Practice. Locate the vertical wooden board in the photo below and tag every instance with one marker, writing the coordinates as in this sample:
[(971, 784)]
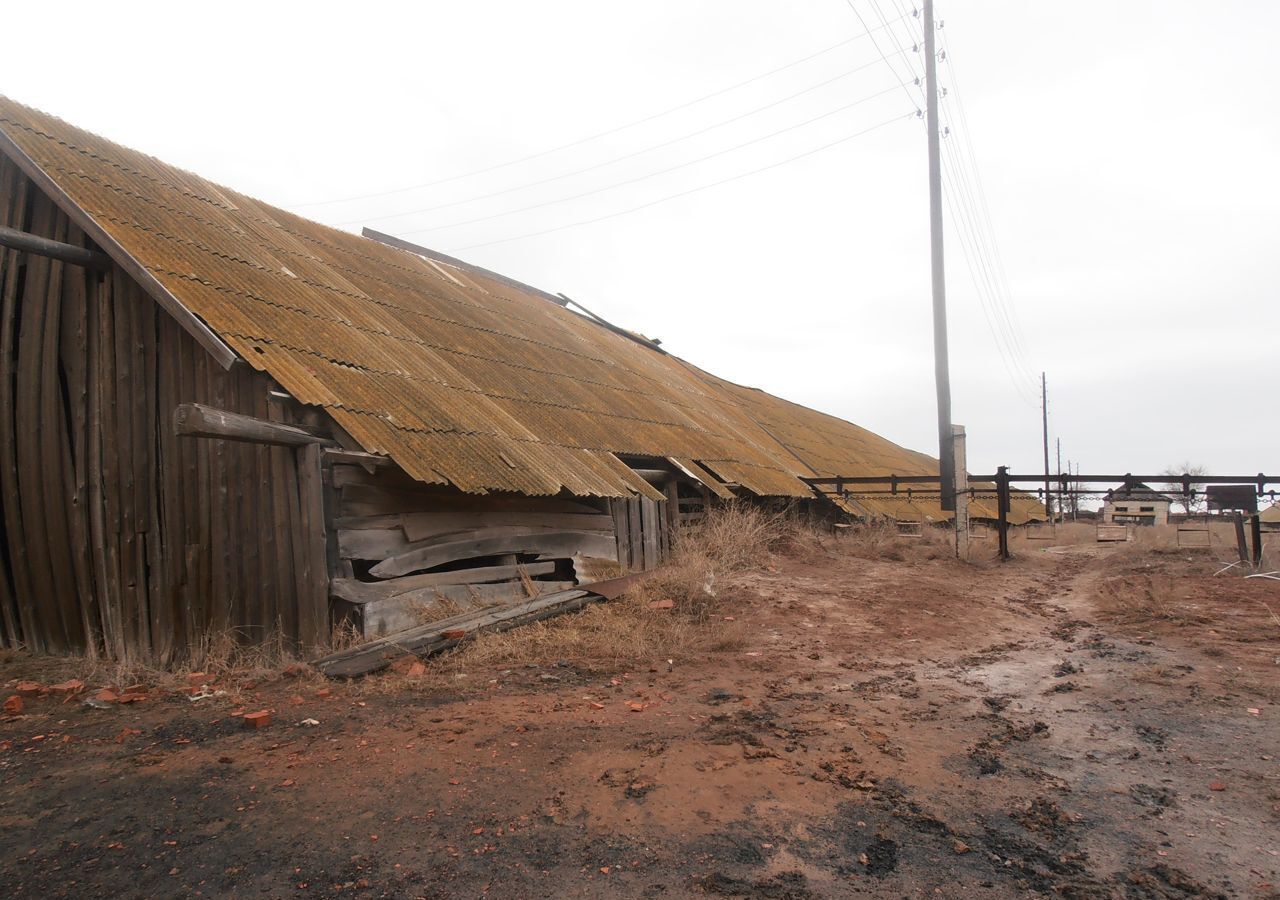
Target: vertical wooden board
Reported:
[(53, 428), (31, 458), (313, 598), (195, 579), (621, 532), (635, 533), (649, 528), (171, 534), (268, 554), (103, 486), (222, 587), (160, 598), (257, 600), (13, 521), (74, 355), (133, 590), (284, 521)]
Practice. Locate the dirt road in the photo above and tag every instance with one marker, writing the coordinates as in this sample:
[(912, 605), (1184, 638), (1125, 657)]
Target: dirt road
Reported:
[(889, 729)]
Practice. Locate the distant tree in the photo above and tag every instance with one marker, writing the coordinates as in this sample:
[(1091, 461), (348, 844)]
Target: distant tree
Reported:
[(1175, 488)]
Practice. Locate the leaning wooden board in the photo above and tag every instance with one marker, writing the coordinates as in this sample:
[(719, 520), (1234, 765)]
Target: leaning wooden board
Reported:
[(552, 544), (424, 605), (448, 633)]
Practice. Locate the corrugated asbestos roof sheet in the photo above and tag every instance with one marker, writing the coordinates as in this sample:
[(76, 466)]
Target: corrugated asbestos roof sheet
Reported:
[(458, 377)]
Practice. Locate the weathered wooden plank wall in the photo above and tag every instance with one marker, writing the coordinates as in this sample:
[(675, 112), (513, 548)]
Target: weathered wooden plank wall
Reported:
[(116, 536)]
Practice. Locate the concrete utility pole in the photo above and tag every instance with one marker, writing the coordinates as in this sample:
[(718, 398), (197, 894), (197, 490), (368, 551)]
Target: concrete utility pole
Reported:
[(1061, 508), (941, 362), (1044, 413)]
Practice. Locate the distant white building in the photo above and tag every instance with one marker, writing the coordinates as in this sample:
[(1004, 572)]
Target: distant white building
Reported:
[(1140, 504)]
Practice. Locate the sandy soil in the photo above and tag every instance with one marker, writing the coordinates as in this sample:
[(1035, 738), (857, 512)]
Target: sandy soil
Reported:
[(891, 729)]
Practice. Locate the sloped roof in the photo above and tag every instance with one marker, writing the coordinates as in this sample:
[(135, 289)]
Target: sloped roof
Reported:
[(1139, 491), (459, 377)]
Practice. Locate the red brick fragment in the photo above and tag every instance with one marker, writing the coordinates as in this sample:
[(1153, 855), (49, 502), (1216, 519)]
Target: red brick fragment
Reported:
[(454, 634), (260, 719), (29, 688), (13, 705)]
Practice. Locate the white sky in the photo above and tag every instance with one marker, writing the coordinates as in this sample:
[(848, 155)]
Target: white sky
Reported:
[(1128, 151)]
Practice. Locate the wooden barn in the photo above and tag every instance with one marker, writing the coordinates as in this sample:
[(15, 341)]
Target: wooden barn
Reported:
[(219, 416)]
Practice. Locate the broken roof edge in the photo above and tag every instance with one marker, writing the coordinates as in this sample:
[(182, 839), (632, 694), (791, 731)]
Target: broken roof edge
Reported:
[(199, 330)]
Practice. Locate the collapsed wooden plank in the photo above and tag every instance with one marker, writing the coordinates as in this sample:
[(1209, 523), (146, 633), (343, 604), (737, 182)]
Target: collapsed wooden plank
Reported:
[(364, 592), (418, 607), (369, 543), (447, 633), (556, 543)]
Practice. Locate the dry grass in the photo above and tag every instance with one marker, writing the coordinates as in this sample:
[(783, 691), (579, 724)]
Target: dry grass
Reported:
[(1146, 599), (682, 610), (229, 663), (881, 540)]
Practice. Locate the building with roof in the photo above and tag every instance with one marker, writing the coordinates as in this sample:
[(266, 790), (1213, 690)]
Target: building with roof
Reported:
[(1136, 504), (218, 415)]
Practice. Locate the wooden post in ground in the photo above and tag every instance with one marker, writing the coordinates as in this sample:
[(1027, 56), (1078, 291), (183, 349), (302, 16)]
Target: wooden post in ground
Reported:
[(962, 492), (1255, 529), (1241, 546), (1002, 508)]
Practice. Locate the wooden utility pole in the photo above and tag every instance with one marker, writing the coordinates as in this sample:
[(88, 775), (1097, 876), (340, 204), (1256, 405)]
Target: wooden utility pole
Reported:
[(1044, 415), (941, 363)]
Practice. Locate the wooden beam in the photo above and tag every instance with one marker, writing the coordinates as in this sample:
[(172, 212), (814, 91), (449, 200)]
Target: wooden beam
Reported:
[(355, 591), (427, 639), (192, 323), (198, 420), (550, 545), (42, 246)]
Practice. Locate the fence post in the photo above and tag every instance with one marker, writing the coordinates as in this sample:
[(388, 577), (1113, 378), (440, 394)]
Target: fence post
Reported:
[(1002, 509), (1255, 527), (1241, 547), (962, 492)]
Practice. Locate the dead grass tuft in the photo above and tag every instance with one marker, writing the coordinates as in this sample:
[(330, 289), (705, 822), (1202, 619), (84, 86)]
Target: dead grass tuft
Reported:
[(1147, 599)]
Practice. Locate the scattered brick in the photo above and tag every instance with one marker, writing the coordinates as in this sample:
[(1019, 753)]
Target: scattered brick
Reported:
[(260, 719), (13, 705)]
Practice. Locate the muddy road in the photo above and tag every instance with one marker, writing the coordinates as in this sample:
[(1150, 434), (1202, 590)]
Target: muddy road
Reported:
[(895, 729)]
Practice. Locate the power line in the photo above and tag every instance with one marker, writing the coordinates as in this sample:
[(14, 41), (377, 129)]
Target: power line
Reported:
[(694, 190), (963, 215), (868, 31), (980, 191), (592, 137), (618, 159), (649, 175)]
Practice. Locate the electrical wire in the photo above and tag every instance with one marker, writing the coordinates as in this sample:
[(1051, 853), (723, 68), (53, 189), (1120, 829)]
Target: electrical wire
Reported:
[(618, 159), (694, 190), (965, 218), (645, 177), (966, 132), (868, 31), (591, 137)]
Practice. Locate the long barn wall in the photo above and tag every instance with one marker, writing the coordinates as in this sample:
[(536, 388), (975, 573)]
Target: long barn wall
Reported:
[(116, 536)]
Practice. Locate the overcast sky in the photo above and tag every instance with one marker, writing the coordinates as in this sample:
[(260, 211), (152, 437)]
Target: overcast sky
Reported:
[(1128, 150)]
